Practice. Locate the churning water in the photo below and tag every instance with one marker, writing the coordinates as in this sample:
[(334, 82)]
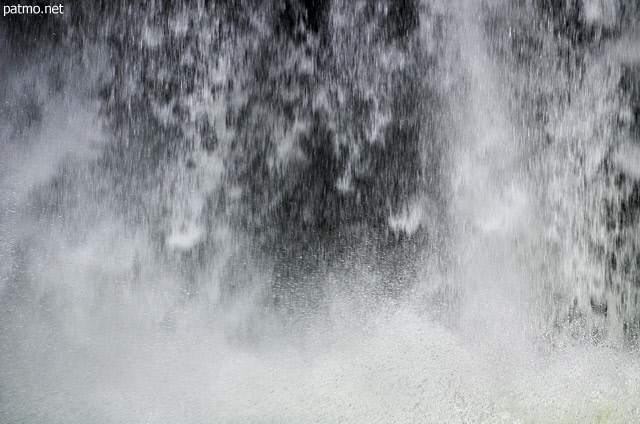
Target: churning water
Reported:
[(320, 211)]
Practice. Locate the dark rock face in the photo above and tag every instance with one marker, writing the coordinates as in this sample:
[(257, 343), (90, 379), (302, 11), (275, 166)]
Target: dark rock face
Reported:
[(323, 136)]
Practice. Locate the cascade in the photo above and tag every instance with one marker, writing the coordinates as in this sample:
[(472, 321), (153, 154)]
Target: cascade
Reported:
[(320, 211)]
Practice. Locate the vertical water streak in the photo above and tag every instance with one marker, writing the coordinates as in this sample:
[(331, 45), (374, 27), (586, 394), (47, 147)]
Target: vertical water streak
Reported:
[(490, 201)]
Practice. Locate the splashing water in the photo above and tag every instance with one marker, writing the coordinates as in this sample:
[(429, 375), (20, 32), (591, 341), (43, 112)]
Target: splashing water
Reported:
[(402, 212)]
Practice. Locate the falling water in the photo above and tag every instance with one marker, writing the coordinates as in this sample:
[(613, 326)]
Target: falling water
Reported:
[(320, 211)]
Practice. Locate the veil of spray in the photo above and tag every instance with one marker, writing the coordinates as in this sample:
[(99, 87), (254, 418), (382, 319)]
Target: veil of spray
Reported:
[(320, 211)]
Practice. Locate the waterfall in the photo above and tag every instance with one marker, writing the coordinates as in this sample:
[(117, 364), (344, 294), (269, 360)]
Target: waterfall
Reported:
[(294, 211)]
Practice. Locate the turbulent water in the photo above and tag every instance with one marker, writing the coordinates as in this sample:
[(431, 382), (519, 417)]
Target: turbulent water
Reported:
[(320, 211)]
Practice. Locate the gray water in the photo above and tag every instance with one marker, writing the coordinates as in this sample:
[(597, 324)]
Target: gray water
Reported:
[(321, 212)]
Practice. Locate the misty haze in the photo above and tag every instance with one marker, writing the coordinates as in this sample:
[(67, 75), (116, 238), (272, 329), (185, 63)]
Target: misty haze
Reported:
[(292, 211)]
